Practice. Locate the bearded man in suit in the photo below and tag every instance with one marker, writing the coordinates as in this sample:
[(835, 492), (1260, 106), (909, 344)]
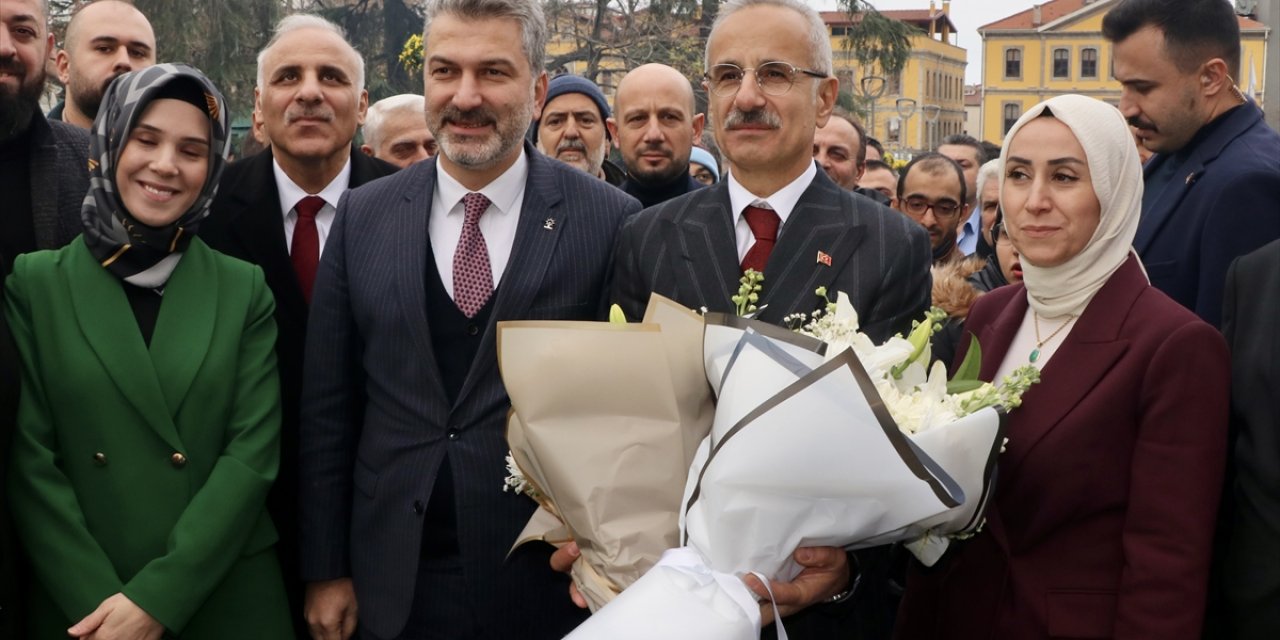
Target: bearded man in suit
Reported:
[(275, 209), (406, 532), (770, 85)]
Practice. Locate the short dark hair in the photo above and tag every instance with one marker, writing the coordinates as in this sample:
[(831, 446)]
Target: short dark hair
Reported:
[(961, 139), (874, 144), (861, 152), (933, 162), (881, 165), (1194, 30)]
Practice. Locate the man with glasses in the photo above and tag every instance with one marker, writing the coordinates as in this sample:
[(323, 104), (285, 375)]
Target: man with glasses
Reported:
[(932, 191), (769, 85)]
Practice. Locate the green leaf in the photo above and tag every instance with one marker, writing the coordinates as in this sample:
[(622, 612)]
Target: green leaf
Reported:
[(963, 386), (972, 364)]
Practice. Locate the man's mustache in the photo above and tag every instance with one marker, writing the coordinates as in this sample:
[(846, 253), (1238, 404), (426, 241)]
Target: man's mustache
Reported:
[(737, 118), (309, 114), (571, 144)]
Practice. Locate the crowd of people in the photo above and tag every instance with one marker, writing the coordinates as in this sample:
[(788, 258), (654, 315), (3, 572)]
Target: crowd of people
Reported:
[(260, 399)]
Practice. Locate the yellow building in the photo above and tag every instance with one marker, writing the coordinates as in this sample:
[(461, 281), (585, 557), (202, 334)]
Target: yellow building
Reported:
[(1057, 47), (925, 102)]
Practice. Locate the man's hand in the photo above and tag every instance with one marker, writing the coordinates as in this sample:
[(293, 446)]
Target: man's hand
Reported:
[(825, 574), (331, 609), (562, 560), (117, 618)]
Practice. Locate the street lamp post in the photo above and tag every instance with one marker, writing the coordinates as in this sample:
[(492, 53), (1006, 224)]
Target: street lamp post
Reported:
[(906, 108), (872, 87), (931, 113)]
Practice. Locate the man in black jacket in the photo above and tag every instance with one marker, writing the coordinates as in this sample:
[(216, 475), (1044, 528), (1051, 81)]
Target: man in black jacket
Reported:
[(654, 126), (275, 209)]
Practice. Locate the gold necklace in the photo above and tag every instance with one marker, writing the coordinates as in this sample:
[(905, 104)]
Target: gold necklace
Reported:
[(1035, 317)]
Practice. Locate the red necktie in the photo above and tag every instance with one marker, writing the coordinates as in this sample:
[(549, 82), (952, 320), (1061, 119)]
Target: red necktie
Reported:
[(472, 275), (305, 253), (764, 226)]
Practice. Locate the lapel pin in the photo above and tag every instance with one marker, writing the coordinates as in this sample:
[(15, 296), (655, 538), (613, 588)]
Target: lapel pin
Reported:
[(1191, 177), (824, 258), (549, 224)]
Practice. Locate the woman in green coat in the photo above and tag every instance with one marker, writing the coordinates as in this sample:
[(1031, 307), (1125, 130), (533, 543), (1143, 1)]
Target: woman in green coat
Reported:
[(148, 426)]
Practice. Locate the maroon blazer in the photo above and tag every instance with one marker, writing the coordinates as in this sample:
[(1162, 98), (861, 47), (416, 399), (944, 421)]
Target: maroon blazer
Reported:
[(1102, 521)]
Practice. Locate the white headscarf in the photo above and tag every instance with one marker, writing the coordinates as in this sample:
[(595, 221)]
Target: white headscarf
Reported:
[(1116, 173)]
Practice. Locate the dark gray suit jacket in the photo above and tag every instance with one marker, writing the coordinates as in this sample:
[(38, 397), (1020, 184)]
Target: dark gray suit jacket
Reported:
[(1250, 568), (375, 421), (685, 249), (59, 181)]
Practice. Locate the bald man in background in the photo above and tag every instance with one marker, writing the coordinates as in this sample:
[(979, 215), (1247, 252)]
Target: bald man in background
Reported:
[(654, 125), (105, 39)]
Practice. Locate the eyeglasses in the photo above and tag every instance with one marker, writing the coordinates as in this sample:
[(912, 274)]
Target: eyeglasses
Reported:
[(773, 78), (999, 233), (942, 209)]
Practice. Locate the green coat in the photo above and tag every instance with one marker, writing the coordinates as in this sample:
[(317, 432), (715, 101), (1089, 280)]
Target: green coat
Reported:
[(145, 470)]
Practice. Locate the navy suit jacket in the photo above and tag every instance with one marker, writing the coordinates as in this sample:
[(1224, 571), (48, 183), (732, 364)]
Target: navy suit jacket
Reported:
[(1222, 205), (375, 420), (686, 249)]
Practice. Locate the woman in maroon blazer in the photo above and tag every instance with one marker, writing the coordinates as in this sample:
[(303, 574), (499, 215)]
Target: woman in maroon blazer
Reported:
[(1103, 517)]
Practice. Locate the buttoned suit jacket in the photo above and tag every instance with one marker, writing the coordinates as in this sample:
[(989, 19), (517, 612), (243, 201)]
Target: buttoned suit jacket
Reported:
[(1220, 207), (1250, 570), (686, 250), (141, 468), (246, 222), (1102, 521), (375, 420)]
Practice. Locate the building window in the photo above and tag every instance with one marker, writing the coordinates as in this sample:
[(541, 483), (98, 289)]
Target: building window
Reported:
[(1089, 63), (1061, 64), (1012, 111), (838, 31), (1013, 63)]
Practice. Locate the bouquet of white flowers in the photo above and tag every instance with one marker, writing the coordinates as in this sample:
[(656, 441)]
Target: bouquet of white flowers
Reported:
[(820, 438)]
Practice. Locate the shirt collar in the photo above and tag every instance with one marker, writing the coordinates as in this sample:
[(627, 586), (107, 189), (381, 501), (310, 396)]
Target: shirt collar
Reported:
[(783, 201), (291, 193), (502, 192)]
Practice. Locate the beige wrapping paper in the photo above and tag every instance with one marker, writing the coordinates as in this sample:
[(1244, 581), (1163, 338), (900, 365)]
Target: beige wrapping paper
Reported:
[(605, 422)]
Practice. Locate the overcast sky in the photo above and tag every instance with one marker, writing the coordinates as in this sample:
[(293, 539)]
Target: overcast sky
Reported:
[(967, 15)]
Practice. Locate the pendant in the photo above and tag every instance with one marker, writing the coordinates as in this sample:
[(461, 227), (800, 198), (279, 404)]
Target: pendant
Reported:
[(1035, 355)]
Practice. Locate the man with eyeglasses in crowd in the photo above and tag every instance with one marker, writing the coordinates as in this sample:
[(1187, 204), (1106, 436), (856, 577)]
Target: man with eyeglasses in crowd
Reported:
[(769, 86), (932, 191)]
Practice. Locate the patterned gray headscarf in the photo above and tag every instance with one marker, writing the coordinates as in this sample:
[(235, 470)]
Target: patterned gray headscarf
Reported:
[(136, 253)]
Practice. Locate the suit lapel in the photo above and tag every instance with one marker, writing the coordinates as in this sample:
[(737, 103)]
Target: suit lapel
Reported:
[(184, 328), (409, 219), (109, 326), (259, 225), (1089, 351), (531, 253), (819, 230), (707, 263)]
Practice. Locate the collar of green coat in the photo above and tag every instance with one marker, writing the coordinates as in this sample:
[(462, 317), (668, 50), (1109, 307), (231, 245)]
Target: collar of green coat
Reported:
[(156, 379)]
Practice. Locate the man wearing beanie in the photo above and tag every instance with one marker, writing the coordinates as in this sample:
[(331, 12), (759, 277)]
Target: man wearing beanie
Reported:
[(572, 128)]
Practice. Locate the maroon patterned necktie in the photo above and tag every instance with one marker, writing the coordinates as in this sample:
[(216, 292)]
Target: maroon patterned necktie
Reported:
[(472, 275), (764, 226), (305, 252)]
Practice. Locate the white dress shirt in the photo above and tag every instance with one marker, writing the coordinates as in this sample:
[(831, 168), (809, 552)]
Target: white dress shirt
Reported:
[(497, 224), (291, 193), (782, 201)]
